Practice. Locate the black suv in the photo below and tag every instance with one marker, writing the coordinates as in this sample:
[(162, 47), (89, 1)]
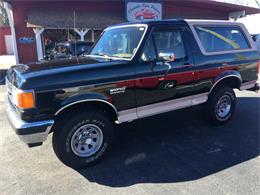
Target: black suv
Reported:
[(135, 70)]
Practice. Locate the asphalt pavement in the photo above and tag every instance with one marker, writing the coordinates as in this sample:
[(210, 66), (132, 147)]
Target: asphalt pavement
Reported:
[(174, 153)]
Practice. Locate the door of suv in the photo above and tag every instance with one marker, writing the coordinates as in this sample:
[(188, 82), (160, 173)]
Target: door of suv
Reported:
[(162, 85)]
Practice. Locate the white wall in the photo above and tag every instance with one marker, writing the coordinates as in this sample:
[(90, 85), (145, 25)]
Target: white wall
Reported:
[(252, 22)]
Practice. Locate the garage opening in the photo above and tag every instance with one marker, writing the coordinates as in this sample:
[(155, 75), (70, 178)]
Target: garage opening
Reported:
[(62, 34)]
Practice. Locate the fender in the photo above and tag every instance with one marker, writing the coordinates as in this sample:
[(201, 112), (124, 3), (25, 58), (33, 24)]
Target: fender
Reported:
[(224, 75), (88, 97)]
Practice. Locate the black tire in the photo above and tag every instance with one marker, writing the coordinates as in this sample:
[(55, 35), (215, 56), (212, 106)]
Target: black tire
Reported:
[(211, 106), (62, 138)]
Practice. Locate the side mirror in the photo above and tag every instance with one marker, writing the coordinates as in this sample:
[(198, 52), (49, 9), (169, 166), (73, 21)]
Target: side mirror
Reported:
[(166, 57)]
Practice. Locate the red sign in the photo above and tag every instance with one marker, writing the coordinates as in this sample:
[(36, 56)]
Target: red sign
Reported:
[(136, 11)]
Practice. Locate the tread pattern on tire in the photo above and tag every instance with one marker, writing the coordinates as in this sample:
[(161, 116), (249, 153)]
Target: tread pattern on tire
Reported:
[(213, 98), (63, 135)]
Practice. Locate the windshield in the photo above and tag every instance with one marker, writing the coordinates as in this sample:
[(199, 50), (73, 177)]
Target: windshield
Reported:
[(119, 42)]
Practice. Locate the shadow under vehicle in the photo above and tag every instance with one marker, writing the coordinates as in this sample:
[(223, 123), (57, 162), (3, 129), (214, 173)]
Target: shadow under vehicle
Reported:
[(162, 150)]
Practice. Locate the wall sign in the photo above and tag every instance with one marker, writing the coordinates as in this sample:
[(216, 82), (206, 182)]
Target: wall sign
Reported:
[(26, 40), (143, 11)]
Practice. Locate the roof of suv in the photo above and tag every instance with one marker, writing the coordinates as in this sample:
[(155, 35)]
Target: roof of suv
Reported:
[(178, 21)]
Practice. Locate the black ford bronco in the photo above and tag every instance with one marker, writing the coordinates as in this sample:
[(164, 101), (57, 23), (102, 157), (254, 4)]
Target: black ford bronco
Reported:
[(134, 70)]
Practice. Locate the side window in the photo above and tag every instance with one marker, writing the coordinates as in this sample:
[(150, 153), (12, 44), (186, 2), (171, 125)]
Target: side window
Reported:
[(149, 52), (170, 41), (220, 38)]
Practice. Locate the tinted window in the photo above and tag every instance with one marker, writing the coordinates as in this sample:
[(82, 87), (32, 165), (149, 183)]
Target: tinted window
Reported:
[(216, 39), (149, 52), (119, 42), (170, 42), (82, 49)]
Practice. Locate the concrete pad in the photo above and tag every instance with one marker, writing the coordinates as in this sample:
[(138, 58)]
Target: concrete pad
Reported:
[(6, 61)]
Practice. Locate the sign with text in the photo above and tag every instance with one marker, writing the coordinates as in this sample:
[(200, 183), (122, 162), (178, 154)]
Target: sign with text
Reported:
[(143, 11)]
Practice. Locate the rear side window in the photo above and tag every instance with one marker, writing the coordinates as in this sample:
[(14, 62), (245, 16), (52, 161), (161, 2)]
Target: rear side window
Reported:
[(215, 39)]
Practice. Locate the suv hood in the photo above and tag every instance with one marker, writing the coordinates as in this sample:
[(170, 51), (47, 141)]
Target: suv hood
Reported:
[(59, 73)]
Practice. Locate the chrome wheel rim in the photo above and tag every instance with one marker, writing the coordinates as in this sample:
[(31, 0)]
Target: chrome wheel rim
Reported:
[(86, 140), (223, 106)]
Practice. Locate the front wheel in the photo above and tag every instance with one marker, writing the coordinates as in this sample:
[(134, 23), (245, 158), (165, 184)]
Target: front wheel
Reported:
[(221, 106), (83, 139)]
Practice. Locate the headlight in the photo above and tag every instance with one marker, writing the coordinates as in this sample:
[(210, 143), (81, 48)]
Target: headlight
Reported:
[(23, 99)]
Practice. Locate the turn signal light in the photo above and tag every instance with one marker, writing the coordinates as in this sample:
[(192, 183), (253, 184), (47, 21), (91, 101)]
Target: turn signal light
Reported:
[(25, 100)]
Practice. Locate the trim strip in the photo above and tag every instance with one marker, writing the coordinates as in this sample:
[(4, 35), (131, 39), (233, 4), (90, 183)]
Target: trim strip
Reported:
[(224, 78), (87, 100), (149, 110), (127, 115), (162, 107), (248, 85)]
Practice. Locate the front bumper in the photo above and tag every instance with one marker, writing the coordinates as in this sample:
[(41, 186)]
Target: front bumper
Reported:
[(31, 133)]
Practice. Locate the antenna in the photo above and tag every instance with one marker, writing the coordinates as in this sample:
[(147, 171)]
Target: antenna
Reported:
[(75, 37)]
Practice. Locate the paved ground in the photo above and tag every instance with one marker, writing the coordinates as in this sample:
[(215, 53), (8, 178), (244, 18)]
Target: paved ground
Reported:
[(6, 61), (175, 153)]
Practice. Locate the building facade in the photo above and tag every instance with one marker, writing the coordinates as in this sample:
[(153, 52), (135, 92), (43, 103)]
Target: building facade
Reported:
[(34, 23), (5, 41)]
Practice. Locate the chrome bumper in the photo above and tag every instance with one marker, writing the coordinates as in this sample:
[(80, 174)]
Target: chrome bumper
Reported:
[(31, 133)]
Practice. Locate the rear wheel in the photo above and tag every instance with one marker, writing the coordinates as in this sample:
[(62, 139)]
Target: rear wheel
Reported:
[(221, 105), (83, 139)]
